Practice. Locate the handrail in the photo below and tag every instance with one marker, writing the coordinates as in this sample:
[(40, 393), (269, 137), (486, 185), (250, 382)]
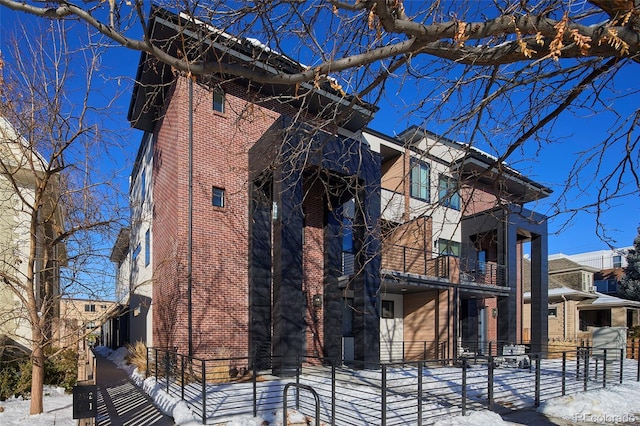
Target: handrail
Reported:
[(299, 386)]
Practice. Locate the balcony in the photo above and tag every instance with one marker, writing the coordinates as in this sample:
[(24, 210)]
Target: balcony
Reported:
[(489, 273), (411, 260)]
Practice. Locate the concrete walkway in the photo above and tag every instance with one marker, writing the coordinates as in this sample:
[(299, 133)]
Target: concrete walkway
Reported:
[(121, 402)]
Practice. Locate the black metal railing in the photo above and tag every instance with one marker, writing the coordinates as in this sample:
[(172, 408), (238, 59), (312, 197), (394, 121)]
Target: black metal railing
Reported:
[(405, 392)]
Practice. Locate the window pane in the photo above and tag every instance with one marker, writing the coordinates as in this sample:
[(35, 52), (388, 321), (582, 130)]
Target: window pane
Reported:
[(147, 248), (448, 194), (419, 179), (218, 100), (218, 197), (448, 247)]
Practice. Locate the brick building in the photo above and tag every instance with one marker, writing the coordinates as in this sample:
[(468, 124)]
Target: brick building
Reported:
[(257, 233)]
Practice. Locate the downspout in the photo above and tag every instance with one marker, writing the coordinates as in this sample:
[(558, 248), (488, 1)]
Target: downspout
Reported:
[(190, 224)]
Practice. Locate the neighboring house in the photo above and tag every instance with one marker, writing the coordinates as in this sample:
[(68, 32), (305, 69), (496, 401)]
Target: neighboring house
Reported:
[(575, 305), (18, 179), (598, 259), (81, 321), (115, 330), (260, 237), (608, 266)]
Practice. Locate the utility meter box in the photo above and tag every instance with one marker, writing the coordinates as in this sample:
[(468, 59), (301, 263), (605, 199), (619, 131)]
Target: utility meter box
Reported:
[(613, 339)]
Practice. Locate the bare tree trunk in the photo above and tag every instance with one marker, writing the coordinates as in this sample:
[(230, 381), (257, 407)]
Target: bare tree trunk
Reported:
[(37, 374)]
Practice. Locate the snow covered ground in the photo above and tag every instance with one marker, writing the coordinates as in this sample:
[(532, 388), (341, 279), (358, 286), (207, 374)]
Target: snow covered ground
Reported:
[(619, 404)]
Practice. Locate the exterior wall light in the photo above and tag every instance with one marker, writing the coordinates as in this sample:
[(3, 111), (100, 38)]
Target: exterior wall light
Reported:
[(317, 301)]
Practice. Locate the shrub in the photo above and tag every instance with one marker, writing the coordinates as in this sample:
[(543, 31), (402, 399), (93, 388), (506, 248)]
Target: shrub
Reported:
[(59, 370), (137, 356)]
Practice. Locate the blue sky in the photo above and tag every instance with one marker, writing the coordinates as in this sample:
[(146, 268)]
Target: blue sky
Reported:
[(118, 69)]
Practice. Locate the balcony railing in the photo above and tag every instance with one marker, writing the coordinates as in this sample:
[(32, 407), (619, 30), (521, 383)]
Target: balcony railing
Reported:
[(483, 273), (411, 260), (415, 261)]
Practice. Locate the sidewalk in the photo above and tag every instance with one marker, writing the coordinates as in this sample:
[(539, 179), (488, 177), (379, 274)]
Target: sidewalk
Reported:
[(121, 402)]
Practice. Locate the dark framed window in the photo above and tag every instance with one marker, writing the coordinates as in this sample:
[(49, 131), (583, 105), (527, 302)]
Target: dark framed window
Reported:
[(217, 197), (90, 308), (147, 248), (617, 261), (347, 317), (136, 252), (218, 100), (448, 194), (553, 311), (448, 247), (419, 180), (387, 309)]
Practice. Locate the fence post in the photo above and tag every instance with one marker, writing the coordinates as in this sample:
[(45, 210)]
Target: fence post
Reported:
[(490, 383), (638, 378), (621, 364), (204, 392), (155, 359), (564, 372), (297, 382), (585, 353), (578, 355), (255, 387), (146, 371), (490, 347), (537, 397), (182, 376), (384, 396), (333, 393), (604, 369), (167, 367), (464, 386), (420, 393)]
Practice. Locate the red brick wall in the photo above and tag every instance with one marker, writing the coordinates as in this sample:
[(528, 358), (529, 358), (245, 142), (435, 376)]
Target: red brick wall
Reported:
[(220, 240), (313, 266)]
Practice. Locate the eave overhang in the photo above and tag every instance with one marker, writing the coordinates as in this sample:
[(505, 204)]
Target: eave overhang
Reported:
[(154, 78)]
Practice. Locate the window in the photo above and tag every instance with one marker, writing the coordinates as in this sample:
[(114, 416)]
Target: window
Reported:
[(91, 325), (448, 247), (147, 248), (217, 197), (419, 179), (136, 252), (617, 261), (90, 308), (143, 185), (587, 281), (347, 317), (553, 311), (218, 100), (448, 194), (482, 261), (387, 309)]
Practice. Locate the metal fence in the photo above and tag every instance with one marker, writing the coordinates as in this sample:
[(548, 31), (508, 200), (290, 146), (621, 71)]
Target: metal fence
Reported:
[(400, 393)]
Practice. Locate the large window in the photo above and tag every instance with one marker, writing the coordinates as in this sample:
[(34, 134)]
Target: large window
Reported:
[(448, 194), (419, 179), (448, 247)]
